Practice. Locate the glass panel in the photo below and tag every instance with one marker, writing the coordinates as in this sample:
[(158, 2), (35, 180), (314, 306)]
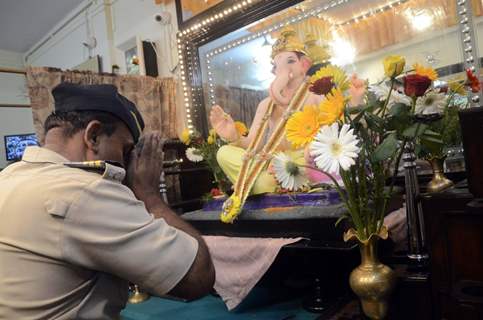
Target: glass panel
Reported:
[(358, 34)]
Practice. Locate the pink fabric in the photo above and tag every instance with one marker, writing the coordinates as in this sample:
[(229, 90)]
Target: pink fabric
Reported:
[(316, 176), (396, 223), (240, 263)]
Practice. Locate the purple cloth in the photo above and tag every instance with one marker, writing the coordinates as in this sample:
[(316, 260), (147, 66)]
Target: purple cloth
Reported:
[(271, 200)]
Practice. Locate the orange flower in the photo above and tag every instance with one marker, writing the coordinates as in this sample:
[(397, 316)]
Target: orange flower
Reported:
[(241, 128), (428, 72)]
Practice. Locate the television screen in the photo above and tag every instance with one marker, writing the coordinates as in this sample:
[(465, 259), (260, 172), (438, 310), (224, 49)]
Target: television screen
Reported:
[(16, 144)]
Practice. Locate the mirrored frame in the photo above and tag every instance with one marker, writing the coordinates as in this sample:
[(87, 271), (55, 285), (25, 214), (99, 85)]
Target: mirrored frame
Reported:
[(230, 16)]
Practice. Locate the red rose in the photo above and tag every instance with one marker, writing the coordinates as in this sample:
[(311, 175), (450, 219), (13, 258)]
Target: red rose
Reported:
[(322, 86), (473, 81), (216, 192), (416, 85)]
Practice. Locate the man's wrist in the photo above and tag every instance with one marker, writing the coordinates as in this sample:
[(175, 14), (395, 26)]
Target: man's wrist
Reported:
[(150, 198)]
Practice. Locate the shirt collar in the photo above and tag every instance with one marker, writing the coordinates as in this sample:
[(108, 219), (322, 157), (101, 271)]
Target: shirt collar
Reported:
[(38, 154)]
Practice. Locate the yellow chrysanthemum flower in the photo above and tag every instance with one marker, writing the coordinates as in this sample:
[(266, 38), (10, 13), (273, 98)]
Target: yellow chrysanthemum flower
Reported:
[(185, 136), (332, 108), (427, 72), (241, 128), (337, 74), (302, 126), (231, 209)]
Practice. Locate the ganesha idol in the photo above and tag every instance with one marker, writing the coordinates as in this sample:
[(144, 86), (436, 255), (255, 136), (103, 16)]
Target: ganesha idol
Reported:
[(246, 159)]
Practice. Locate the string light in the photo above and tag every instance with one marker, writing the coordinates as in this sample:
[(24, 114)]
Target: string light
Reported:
[(216, 16)]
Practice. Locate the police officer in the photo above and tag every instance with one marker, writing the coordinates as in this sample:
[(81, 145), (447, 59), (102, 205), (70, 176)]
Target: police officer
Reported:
[(74, 229)]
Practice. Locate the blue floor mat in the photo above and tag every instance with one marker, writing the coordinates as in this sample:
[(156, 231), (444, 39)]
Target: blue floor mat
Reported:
[(212, 308)]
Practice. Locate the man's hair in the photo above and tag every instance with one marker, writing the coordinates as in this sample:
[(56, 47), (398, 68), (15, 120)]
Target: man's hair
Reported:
[(74, 121)]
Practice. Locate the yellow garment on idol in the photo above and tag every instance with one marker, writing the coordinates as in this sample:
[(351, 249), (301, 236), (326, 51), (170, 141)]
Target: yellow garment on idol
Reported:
[(230, 160)]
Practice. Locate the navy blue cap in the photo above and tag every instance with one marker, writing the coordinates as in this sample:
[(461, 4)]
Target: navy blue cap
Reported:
[(99, 97)]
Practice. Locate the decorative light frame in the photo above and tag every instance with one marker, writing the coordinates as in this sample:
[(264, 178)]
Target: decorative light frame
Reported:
[(470, 48), (187, 59), (232, 15)]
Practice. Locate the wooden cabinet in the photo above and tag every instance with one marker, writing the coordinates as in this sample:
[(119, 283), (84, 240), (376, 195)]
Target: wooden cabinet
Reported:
[(186, 181), (454, 227)]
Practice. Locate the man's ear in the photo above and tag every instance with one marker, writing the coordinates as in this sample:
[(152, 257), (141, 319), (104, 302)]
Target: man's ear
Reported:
[(91, 135)]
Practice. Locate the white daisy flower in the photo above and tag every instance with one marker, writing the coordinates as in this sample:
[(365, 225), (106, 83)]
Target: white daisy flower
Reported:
[(194, 155), (288, 174), (332, 149), (432, 102), (381, 91), (398, 97)]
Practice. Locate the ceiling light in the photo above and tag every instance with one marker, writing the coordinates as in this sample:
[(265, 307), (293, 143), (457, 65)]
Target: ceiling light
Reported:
[(343, 52)]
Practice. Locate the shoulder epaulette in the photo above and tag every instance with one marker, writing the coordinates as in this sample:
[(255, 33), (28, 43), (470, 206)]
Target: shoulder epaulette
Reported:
[(108, 169)]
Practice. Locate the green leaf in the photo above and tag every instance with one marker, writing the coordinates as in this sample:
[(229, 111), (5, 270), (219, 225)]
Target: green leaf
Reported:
[(411, 131), (399, 123), (359, 116), (431, 133), (386, 149), (431, 144), (353, 110), (399, 109), (374, 122), (341, 218)]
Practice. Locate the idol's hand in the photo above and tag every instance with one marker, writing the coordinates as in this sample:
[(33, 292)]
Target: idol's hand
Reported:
[(357, 90), (145, 166), (223, 124)]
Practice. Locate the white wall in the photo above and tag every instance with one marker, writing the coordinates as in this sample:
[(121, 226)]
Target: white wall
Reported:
[(116, 25), (12, 86), (13, 120)]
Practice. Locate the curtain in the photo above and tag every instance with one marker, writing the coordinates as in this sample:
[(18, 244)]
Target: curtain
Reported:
[(155, 98), (240, 103)]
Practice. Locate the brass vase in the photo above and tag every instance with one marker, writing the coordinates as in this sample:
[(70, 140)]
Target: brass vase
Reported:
[(439, 182), (372, 281)]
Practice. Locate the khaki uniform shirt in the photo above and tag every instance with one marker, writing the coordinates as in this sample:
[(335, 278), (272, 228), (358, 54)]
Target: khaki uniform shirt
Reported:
[(69, 236)]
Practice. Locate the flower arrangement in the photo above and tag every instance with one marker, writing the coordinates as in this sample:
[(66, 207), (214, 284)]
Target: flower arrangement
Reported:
[(363, 144), (200, 149), (359, 147)]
